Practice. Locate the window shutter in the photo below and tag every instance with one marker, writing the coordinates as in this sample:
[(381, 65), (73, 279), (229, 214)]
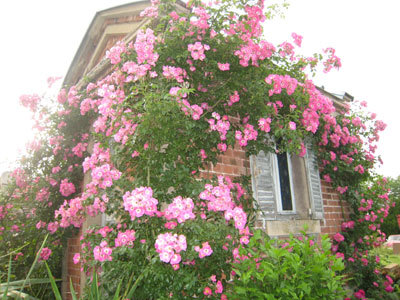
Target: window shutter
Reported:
[(263, 183), (314, 184)]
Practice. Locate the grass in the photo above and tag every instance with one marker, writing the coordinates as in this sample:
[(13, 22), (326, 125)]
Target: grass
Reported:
[(387, 256)]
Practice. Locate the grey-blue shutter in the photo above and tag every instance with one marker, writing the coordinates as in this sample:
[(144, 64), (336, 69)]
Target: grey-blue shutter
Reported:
[(314, 184), (263, 183)]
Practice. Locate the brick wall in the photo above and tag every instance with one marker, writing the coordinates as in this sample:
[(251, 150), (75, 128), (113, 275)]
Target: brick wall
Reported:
[(73, 270), (335, 211), (232, 163)]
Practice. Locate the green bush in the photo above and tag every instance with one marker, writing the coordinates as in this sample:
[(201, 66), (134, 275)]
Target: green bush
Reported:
[(297, 268)]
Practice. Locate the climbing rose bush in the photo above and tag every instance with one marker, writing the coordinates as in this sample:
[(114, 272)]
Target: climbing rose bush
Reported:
[(189, 88)]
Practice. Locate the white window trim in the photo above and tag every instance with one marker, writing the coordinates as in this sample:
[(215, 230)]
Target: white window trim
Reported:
[(277, 185)]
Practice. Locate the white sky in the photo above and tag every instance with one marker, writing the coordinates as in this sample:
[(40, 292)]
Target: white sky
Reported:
[(40, 38)]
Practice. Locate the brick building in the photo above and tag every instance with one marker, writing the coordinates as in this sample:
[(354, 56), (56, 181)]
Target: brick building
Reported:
[(288, 189)]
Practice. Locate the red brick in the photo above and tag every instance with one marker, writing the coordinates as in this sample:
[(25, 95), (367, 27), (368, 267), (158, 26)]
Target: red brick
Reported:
[(229, 152)]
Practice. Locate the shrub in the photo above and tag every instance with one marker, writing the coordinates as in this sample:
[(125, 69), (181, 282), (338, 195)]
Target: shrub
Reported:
[(297, 268)]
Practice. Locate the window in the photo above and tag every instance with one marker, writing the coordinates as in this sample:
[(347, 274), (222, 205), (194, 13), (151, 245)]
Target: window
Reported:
[(287, 186), (283, 182)]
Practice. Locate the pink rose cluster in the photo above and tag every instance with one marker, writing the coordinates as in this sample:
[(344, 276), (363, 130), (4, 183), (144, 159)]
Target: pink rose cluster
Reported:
[(255, 52), (219, 124), (202, 19), (248, 134), (238, 216), (297, 39), (99, 205), (264, 124), (388, 284), (197, 50), (104, 175), (135, 71), (98, 156), (338, 237), (108, 97), (4, 210), (43, 195), (342, 189), (114, 54), (140, 202), (20, 178), (287, 49), (151, 11), (203, 154), (332, 61), (366, 205), (195, 110), (56, 143), (318, 105), (169, 246), (103, 252), (125, 238), (77, 258), (104, 231), (30, 101), (176, 73), (213, 278), (205, 250), (255, 18), (348, 225), (360, 294), (223, 67), (280, 82), (79, 149), (180, 209), (125, 131), (66, 188), (45, 253), (71, 212), (219, 199), (233, 98)]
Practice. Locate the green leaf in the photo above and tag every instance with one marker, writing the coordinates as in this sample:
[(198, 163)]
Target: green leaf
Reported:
[(72, 290), (8, 279), (116, 296), (34, 262), (94, 290), (53, 284)]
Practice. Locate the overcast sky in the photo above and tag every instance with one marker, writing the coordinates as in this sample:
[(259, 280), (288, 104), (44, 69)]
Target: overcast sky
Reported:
[(40, 38)]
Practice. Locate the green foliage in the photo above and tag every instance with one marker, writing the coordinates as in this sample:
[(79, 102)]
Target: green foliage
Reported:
[(359, 240), (94, 291), (297, 268), (20, 289), (390, 225)]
